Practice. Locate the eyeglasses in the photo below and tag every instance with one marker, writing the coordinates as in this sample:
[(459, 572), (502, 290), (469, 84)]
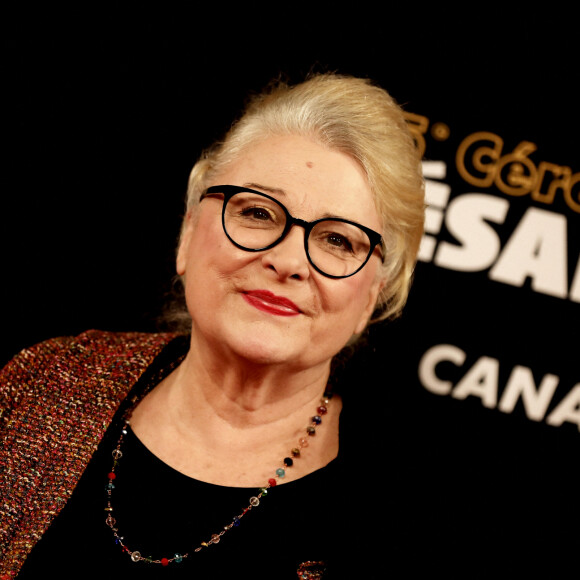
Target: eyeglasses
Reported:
[(255, 221)]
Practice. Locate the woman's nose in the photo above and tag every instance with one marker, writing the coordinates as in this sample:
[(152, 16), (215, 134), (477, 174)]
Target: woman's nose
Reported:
[(288, 258)]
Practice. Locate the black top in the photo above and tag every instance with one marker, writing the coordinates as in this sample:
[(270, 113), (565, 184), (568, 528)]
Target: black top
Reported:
[(161, 512)]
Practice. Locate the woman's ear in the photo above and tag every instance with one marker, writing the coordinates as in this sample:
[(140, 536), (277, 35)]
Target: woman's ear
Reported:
[(184, 243)]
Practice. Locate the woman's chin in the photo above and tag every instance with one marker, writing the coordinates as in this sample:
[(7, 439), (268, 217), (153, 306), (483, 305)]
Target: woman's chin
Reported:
[(267, 350), (259, 342)]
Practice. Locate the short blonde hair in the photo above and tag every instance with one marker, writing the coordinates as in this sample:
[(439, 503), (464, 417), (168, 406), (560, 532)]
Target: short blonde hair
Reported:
[(358, 118)]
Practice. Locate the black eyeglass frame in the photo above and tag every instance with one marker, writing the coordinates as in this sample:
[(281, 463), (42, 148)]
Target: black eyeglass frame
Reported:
[(228, 191)]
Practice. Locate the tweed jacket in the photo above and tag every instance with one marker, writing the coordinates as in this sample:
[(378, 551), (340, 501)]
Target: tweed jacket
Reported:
[(56, 402)]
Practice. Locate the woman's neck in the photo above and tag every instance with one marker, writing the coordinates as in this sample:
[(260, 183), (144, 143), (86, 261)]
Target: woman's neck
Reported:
[(248, 392)]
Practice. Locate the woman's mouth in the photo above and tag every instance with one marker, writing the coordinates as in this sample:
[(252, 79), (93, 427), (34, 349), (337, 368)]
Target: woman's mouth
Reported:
[(267, 301)]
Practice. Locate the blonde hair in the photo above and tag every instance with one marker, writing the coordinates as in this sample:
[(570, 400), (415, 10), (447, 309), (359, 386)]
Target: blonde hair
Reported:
[(356, 117)]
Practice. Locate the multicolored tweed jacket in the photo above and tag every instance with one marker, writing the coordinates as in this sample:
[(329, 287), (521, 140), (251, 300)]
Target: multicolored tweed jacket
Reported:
[(56, 402)]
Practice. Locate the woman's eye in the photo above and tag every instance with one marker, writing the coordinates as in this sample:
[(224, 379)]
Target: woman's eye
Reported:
[(257, 213), (339, 241)]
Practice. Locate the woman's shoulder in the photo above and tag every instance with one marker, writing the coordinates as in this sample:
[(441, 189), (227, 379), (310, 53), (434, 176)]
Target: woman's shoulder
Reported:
[(94, 359), (95, 339), (95, 344)]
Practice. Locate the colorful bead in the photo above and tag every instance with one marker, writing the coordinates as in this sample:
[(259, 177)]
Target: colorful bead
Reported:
[(254, 501), (272, 482), (136, 556), (317, 419), (178, 558), (311, 430), (164, 562), (296, 452), (280, 472), (111, 475), (303, 442), (288, 462), (322, 410)]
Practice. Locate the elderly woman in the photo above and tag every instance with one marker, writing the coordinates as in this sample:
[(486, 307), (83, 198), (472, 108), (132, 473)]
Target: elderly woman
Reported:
[(218, 452)]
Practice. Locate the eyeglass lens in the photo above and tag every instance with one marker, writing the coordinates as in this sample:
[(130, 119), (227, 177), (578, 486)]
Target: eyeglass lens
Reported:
[(256, 222)]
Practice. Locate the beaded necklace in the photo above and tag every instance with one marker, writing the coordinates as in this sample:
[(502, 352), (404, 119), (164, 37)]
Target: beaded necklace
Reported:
[(254, 501)]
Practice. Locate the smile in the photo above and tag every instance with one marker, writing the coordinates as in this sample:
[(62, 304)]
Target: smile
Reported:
[(266, 301)]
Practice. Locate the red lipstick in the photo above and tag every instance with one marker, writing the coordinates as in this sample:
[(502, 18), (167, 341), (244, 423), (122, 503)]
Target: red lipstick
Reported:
[(266, 301)]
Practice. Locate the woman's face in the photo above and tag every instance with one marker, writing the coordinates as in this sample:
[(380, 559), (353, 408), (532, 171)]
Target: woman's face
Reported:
[(272, 307)]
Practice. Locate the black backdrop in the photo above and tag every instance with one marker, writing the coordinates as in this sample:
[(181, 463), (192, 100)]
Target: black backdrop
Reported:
[(105, 113)]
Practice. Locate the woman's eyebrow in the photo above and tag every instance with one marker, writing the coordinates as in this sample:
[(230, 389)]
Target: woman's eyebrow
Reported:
[(274, 190)]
